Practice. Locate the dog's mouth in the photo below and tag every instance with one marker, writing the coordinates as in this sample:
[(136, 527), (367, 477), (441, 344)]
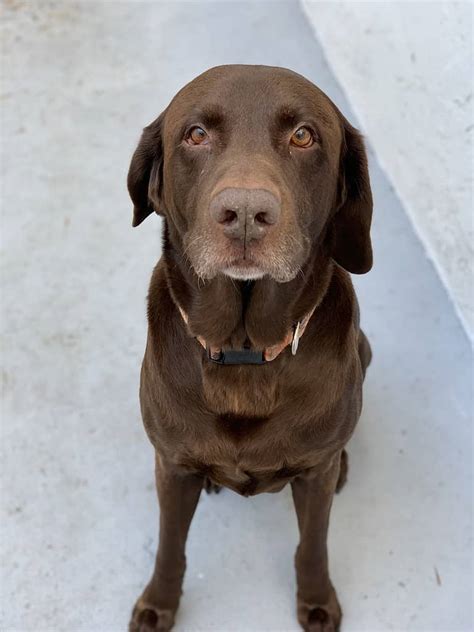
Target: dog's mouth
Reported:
[(280, 261), (245, 262), (243, 269)]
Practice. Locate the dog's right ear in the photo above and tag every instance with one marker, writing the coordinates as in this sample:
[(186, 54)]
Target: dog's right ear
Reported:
[(352, 248), (145, 175)]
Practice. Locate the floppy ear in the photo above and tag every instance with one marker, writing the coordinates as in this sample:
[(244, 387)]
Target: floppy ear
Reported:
[(145, 174), (351, 246)]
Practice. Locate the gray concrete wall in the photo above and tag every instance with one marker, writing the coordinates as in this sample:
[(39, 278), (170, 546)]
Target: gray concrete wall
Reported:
[(406, 68)]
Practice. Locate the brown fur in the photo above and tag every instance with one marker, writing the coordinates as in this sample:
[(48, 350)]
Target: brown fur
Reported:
[(252, 428)]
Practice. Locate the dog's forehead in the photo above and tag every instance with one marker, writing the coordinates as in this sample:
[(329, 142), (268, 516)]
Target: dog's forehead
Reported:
[(238, 92)]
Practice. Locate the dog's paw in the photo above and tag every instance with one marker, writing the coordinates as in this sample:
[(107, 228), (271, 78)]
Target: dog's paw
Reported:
[(210, 487), (148, 618), (321, 617), (343, 470)]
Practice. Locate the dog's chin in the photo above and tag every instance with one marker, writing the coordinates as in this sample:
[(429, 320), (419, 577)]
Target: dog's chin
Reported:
[(241, 273), (239, 269)]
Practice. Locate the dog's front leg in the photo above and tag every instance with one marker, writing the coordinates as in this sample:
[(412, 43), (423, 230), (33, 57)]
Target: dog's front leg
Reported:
[(178, 495), (317, 605)]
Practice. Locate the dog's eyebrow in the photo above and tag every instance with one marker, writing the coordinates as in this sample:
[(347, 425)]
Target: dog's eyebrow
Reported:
[(289, 116), (210, 115)]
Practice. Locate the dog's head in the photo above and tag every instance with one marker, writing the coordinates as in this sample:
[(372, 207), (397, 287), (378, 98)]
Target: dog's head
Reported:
[(253, 167)]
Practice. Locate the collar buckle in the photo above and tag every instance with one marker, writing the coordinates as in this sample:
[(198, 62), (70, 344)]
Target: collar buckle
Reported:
[(238, 356)]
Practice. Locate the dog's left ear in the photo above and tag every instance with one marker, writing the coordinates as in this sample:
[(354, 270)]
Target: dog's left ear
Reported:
[(350, 228), (145, 175)]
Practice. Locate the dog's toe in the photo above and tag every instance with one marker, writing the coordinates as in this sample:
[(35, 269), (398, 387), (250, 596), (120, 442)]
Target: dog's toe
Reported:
[(147, 618), (320, 621), (321, 617)]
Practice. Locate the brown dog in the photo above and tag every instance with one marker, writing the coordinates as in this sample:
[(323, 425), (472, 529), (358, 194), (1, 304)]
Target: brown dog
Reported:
[(265, 194)]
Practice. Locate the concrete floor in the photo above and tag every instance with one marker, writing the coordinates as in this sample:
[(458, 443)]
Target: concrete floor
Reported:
[(78, 540)]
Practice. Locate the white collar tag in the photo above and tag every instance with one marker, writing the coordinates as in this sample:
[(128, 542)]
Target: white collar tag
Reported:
[(296, 338)]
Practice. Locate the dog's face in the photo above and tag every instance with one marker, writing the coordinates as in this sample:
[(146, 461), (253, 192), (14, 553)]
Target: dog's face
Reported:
[(253, 167)]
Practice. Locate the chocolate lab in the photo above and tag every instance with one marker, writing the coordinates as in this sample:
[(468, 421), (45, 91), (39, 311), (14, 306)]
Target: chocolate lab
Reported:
[(253, 369)]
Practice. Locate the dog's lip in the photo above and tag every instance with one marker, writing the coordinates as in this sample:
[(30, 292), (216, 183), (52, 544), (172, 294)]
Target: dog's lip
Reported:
[(245, 263), (240, 262), (238, 267)]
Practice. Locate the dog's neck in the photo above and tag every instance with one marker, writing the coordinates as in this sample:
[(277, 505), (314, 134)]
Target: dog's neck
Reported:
[(229, 313)]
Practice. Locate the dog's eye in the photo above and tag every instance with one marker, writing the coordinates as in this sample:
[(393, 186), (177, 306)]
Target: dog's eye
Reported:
[(197, 136), (303, 137)]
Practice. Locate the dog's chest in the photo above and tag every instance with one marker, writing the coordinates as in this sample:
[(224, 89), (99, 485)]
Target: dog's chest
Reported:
[(244, 391), (250, 482), (243, 478), (247, 456)]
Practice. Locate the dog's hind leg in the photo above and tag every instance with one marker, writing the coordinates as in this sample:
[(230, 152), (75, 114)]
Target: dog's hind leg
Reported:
[(365, 352), (343, 469), (210, 487)]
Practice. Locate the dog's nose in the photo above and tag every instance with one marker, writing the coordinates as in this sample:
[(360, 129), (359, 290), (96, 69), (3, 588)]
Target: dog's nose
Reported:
[(245, 214)]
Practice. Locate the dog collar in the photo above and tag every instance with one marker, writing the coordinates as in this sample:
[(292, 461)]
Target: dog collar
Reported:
[(252, 356)]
